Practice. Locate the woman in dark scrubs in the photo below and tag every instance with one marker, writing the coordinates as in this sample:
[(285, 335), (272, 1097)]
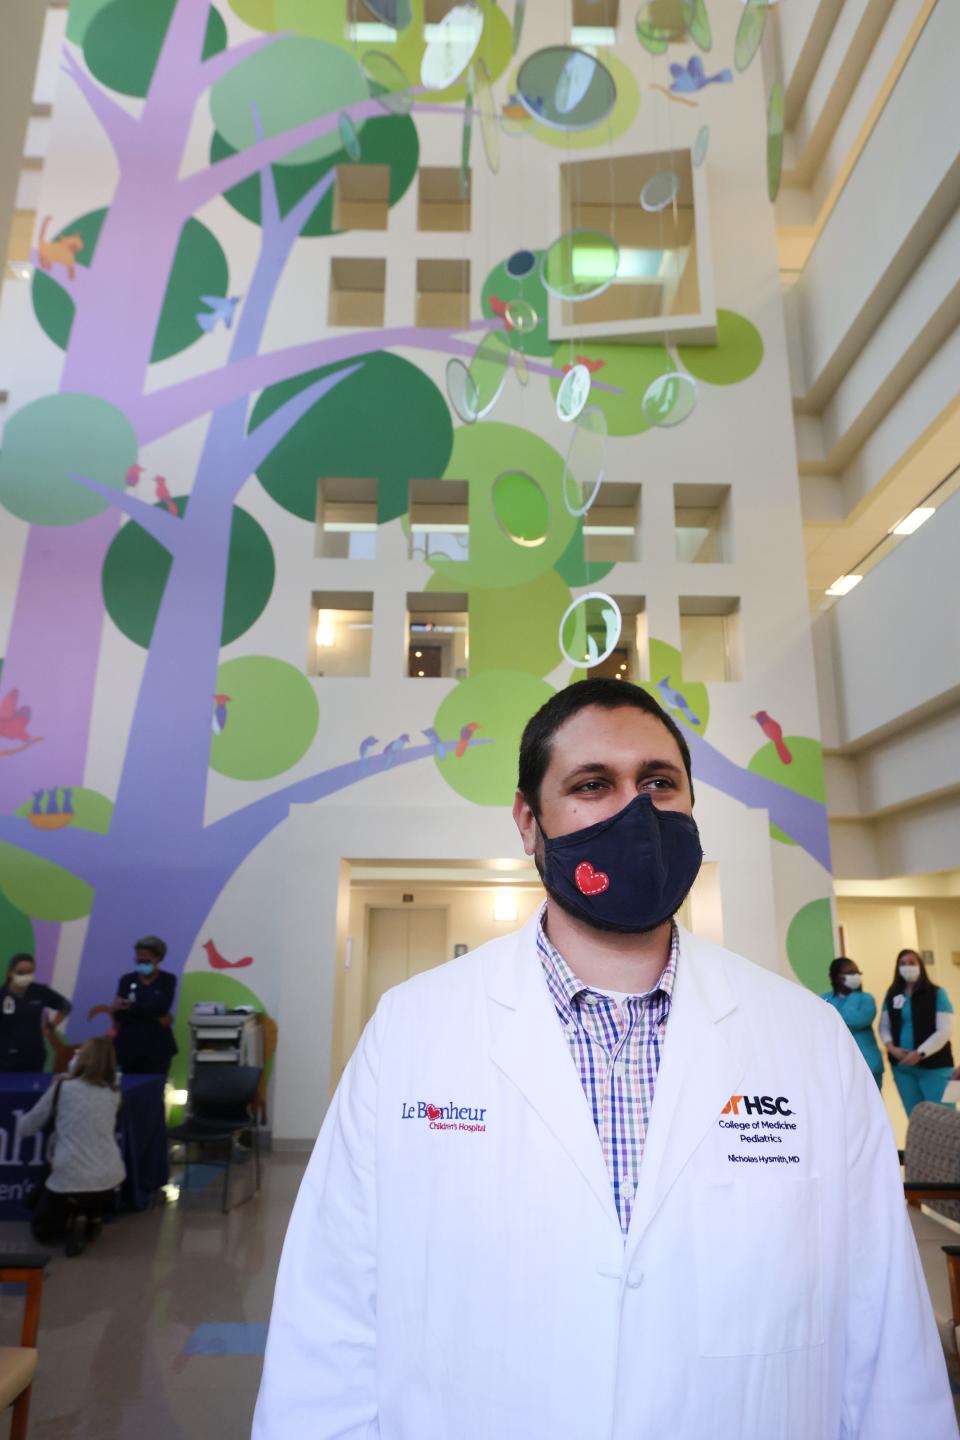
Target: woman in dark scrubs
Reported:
[(23, 1004), (143, 1013)]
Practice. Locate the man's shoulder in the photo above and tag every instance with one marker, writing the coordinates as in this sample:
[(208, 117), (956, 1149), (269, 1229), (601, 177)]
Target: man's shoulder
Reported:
[(758, 986), (444, 983)]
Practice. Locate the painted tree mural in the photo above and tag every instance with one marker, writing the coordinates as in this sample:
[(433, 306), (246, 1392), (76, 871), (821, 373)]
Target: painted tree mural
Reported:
[(175, 561)]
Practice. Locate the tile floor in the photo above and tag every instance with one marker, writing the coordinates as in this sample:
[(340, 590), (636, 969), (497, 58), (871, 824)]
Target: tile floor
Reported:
[(157, 1331)]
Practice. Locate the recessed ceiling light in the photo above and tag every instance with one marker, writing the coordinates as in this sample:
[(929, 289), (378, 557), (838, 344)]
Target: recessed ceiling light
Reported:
[(844, 584), (913, 521)]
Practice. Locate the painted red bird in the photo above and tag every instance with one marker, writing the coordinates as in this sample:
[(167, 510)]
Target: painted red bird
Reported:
[(592, 365), (219, 963), (465, 736), (500, 308), (133, 475), (14, 717), (163, 494), (774, 732)]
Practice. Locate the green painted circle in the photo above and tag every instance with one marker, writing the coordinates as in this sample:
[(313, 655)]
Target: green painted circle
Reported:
[(272, 718), (199, 268), (736, 355), (480, 454), (627, 368), (810, 944), (50, 439), (804, 773), (502, 290), (521, 507), (42, 889), (136, 567), (576, 569), (387, 421), (80, 14), (488, 371), (616, 124), (389, 140), (259, 14), (500, 702), (16, 933), (518, 624), (291, 81), (123, 40)]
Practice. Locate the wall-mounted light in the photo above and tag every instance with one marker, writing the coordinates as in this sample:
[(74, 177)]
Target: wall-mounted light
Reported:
[(844, 584), (914, 520), (326, 633), (505, 905)]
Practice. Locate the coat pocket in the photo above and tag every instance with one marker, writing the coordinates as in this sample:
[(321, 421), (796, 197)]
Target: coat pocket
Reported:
[(758, 1257)]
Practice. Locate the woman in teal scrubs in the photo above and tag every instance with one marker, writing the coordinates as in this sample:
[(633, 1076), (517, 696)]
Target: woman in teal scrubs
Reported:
[(858, 1010), (915, 1026)]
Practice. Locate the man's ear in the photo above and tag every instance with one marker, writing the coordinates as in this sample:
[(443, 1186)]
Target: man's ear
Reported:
[(525, 821)]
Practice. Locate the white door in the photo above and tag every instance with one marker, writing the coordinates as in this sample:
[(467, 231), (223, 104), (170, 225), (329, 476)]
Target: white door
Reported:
[(402, 942)]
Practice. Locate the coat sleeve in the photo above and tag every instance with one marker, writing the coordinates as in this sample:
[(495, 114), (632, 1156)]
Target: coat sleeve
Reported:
[(889, 1315), (39, 1115), (859, 1011), (319, 1375)]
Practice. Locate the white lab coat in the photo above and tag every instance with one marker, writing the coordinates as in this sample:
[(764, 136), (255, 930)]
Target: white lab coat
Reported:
[(474, 1284)]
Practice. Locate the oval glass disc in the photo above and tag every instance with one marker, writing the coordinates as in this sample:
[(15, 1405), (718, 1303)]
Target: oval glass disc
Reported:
[(775, 140), (701, 145), (521, 316), (487, 110), (590, 629), (462, 391), (521, 367), (488, 371), (395, 13), (669, 400), (573, 393), (659, 191), (749, 33), (697, 23), (581, 264), (521, 508), (349, 137), (586, 461), (565, 88), (389, 85), (519, 15), (451, 47)]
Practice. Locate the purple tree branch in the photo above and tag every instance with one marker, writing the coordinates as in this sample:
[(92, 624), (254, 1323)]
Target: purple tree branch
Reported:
[(217, 66), (261, 441), (158, 523), (118, 125), (297, 217), (82, 852)]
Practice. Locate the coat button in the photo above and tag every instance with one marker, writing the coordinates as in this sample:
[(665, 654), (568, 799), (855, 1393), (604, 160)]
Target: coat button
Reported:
[(627, 1189), (635, 1279)]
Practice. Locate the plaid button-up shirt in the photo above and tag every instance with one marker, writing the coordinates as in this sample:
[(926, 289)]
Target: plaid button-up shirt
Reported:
[(616, 1049)]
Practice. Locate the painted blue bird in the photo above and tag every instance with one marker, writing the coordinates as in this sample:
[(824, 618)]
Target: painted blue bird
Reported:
[(219, 721), (52, 806), (395, 746), (37, 797), (441, 748), (675, 701), (68, 802), (689, 78), (367, 745), (220, 307)]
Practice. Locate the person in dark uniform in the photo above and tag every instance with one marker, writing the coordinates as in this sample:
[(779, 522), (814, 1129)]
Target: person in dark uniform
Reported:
[(143, 1013), (23, 1006)]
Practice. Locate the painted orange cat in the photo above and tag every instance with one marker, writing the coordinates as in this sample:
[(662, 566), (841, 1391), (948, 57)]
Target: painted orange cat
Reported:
[(62, 251)]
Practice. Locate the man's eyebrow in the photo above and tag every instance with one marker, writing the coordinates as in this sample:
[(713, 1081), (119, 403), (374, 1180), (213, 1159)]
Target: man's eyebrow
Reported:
[(598, 767)]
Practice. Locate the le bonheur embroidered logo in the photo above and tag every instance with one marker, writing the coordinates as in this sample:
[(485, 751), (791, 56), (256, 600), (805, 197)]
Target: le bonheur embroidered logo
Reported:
[(445, 1117)]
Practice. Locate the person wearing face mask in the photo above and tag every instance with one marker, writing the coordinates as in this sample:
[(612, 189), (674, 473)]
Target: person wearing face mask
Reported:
[(603, 1177), (24, 1004), (143, 1012), (916, 1025), (857, 1009)]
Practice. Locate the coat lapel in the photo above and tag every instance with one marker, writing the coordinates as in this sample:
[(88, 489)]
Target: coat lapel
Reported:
[(700, 1068), (527, 1044)]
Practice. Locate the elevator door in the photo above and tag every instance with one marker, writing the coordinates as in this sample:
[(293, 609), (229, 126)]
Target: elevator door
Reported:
[(402, 943)]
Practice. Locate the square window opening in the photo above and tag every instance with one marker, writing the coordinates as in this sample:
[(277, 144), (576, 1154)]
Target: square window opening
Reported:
[(361, 199), (443, 202), (439, 519), (357, 292), (595, 22), (342, 638), (611, 527), (703, 524), (711, 638), (438, 637), (443, 293), (346, 523)]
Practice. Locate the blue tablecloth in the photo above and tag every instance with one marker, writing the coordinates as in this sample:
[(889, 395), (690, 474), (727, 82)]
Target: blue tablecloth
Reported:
[(142, 1135)]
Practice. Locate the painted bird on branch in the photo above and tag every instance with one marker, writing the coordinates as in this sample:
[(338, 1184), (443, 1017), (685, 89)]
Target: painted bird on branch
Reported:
[(466, 735), (774, 731), (441, 748), (675, 701), (219, 720)]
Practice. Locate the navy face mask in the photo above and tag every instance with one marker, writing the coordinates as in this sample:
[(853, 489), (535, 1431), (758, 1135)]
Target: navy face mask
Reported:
[(630, 872)]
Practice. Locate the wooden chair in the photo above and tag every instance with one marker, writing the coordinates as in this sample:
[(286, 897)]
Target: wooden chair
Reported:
[(21, 1265)]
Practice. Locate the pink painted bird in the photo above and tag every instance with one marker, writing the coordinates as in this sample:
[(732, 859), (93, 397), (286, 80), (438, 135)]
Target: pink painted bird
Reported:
[(217, 961), (466, 735), (163, 494), (133, 475), (774, 732), (14, 718), (500, 308)]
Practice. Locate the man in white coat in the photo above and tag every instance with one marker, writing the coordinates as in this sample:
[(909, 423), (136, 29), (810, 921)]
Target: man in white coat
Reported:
[(602, 1180)]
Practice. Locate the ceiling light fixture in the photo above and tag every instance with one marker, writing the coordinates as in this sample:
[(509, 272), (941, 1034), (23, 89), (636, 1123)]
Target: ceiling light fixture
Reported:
[(914, 520), (844, 584)]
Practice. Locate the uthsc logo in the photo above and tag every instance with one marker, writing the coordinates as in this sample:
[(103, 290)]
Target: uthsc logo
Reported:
[(757, 1105)]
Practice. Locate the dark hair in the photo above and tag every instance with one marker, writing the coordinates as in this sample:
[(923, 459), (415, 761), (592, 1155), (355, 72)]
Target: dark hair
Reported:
[(608, 694), (153, 945), (899, 984), (18, 960), (835, 969)]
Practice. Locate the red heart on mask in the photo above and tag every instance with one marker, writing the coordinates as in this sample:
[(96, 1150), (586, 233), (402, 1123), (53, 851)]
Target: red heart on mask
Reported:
[(590, 881), (433, 1113)]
